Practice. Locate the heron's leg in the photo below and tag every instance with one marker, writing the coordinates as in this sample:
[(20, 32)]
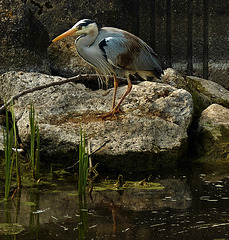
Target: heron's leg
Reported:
[(115, 91), (116, 108), (129, 87)]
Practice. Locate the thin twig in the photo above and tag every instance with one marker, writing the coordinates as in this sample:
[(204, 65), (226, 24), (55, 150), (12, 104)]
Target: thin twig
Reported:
[(47, 85), (71, 166), (89, 154), (96, 150)]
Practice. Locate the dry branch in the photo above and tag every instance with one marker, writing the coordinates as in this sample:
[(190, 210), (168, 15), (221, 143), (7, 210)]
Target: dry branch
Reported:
[(47, 85)]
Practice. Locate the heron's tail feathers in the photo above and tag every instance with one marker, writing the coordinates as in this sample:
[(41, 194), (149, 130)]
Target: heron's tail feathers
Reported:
[(159, 69), (155, 73), (155, 69)]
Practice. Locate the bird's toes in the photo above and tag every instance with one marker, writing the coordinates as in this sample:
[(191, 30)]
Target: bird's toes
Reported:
[(112, 114)]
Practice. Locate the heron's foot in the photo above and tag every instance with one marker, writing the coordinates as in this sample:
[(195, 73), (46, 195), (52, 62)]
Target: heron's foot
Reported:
[(111, 114)]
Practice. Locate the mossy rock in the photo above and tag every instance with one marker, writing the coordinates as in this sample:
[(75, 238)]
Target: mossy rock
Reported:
[(205, 92), (212, 140), (213, 145)]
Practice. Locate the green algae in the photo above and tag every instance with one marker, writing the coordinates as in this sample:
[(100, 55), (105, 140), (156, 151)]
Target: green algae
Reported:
[(114, 185), (10, 229), (31, 204)]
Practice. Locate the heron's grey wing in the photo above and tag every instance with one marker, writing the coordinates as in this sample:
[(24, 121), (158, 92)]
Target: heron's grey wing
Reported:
[(112, 47), (130, 52)]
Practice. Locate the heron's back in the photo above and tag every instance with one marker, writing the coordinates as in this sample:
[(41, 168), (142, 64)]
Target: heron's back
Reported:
[(127, 52)]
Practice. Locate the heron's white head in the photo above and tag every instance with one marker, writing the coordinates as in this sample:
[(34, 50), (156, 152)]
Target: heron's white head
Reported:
[(84, 26)]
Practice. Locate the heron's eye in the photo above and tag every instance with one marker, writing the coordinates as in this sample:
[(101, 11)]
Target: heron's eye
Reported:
[(80, 27)]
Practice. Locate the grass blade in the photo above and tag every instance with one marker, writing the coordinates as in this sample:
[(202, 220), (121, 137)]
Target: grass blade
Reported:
[(37, 157), (83, 165), (15, 143), (32, 136), (8, 142), (34, 148)]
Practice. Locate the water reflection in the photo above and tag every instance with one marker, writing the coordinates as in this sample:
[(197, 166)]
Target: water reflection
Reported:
[(187, 208), (83, 223)]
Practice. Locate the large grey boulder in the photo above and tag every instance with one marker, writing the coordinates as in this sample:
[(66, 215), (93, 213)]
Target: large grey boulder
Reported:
[(151, 131), (212, 141)]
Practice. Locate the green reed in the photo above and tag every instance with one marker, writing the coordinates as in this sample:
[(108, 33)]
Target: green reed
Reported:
[(8, 143), (82, 184), (16, 146), (37, 156), (34, 144), (83, 165)]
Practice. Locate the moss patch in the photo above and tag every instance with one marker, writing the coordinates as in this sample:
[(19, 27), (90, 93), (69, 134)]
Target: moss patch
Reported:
[(212, 145), (10, 228), (115, 185)]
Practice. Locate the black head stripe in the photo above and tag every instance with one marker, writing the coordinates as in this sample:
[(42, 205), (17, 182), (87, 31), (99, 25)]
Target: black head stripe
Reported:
[(85, 22)]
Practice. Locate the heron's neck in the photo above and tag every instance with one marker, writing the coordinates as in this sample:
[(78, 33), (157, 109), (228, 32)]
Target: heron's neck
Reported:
[(84, 43)]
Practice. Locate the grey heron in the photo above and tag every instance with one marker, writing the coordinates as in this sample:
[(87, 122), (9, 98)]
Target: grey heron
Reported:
[(114, 51)]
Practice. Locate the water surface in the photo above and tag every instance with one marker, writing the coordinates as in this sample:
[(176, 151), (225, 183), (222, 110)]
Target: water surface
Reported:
[(188, 207)]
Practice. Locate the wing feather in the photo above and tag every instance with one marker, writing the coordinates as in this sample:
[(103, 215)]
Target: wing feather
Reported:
[(126, 51)]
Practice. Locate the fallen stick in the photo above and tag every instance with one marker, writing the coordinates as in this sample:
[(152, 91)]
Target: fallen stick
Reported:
[(47, 85)]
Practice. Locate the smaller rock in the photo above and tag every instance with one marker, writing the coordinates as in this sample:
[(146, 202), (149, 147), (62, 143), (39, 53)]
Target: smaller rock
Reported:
[(206, 92), (212, 142), (173, 78), (215, 115)]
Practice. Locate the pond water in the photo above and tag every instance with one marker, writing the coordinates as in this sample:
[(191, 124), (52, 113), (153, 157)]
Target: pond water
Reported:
[(192, 206)]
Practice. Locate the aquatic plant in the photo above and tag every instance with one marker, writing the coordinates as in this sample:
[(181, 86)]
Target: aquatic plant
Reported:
[(16, 146), (8, 143), (82, 184), (34, 148), (83, 165), (37, 155)]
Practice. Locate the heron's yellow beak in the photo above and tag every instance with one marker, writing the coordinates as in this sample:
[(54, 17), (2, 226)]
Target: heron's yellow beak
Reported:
[(65, 34)]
